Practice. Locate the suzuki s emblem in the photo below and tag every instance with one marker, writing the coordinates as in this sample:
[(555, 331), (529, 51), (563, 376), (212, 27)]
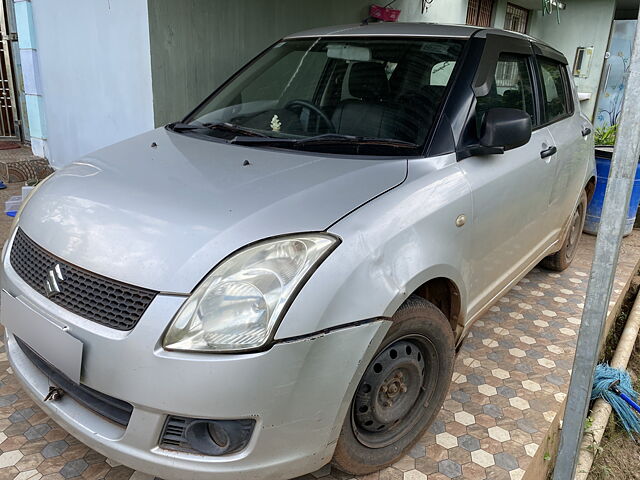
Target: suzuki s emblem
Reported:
[(52, 282)]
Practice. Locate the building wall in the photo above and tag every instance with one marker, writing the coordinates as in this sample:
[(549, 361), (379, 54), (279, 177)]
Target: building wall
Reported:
[(197, 44), (29, 85), (441, 11), (499, 12), (582, 24), (94, 71)]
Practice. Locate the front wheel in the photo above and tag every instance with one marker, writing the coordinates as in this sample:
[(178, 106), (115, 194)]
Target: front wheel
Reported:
[(561, 260), (401, 391)]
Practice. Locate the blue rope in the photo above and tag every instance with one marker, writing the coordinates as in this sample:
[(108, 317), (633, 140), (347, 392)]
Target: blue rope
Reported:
[(603, 377)]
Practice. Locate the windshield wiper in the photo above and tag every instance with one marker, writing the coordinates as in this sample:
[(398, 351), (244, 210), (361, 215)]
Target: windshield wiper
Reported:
[(228, 127), (249, 137), (182, 127), (325, 138)]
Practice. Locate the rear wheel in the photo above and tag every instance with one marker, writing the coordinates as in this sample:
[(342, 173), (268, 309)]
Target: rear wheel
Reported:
[(401, 391), (561, 260)]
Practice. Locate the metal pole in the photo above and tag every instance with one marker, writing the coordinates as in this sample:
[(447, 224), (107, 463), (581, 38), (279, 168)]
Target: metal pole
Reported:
[(614, 211)]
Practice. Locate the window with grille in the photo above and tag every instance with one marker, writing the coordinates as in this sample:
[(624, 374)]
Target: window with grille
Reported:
[(516, 18), (479, 12)]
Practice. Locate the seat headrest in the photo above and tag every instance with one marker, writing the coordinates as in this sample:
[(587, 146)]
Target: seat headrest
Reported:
[(368, 81)]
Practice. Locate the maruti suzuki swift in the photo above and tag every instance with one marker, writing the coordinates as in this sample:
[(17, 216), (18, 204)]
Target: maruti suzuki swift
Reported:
[(280, 280)]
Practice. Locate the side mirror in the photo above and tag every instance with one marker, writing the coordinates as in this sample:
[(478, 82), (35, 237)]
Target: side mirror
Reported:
[(505, 128)]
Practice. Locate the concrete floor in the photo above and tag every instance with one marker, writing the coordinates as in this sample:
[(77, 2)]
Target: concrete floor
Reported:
[(510, 382), (5, 221)]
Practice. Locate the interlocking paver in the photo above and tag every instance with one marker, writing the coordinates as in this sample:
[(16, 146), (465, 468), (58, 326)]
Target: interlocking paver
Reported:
[(74, 468), (482, 458), (506, 461), (450, 468), (499, 434), (37, 431), (54, 449), (469, 443), (8, 459)]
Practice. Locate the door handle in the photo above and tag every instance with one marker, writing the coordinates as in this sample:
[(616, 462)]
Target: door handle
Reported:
[(586, 131), (548, 152)]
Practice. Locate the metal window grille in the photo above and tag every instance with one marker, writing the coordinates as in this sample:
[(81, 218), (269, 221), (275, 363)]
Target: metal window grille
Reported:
[(508, 74), (516, 18), (8, 109), (479, 12)]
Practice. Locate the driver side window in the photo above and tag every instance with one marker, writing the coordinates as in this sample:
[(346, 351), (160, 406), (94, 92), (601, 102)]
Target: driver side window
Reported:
[(512, 87)]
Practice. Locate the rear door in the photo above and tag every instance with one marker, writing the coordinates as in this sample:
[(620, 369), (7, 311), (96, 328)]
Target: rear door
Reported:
[(511, 190), (569, 131)]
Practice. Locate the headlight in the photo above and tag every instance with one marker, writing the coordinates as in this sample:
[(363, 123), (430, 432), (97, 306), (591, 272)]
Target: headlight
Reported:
[(237, 305)]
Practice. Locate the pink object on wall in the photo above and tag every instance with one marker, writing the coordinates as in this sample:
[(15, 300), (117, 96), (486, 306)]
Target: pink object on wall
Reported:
[(383, 13)]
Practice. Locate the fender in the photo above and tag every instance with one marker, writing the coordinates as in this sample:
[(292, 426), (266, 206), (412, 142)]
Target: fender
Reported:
[(390, 247)]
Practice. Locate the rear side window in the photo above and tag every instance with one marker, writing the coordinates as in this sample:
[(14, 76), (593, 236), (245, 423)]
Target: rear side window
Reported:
[(554, 90), (512, 87)]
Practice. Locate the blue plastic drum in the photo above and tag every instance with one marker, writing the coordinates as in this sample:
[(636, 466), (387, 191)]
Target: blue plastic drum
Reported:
[(594, 210)]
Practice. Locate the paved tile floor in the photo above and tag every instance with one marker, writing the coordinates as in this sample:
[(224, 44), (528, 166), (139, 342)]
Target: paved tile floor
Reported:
[(511, 377)]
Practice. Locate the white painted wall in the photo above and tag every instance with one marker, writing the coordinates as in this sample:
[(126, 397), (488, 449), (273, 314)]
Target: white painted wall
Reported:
[(584, 25), (95, 69), (441, 11)]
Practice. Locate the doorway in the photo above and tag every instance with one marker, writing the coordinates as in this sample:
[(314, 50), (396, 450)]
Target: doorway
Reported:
[(9, 103)]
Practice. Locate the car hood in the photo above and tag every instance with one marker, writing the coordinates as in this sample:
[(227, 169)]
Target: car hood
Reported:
[(160, 210)]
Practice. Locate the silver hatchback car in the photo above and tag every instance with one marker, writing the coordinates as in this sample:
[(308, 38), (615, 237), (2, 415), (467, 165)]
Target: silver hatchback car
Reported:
[(281, 279)]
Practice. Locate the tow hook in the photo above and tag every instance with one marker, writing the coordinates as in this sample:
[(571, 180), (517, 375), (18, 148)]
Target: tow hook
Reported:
[(55, 394)]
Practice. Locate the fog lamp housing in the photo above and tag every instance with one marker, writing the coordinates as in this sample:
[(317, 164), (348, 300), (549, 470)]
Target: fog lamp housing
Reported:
[(206, 437)]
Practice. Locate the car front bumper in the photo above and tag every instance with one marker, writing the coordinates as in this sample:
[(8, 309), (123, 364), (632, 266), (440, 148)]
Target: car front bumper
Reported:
[(298, 392)]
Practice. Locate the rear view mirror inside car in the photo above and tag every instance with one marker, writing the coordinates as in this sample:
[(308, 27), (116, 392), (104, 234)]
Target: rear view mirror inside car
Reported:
[(349, 52)]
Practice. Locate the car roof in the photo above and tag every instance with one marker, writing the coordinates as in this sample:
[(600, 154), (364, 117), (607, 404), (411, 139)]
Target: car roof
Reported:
[(391, 28), (409, 29)]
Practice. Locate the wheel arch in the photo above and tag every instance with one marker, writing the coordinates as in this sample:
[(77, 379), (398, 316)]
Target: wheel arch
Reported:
[(441, 285), (445, 295)]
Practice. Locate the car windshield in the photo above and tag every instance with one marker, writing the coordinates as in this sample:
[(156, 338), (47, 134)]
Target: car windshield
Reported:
[(333, 94)]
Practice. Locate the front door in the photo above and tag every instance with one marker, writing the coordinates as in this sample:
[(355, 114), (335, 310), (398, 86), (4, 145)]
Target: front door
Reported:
[(510, 191)]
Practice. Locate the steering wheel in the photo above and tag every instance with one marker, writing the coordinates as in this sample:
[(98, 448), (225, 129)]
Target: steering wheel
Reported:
[(314, 108)]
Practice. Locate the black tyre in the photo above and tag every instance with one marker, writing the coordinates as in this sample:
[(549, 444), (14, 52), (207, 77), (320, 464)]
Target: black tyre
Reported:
[(401, 391), (561, 260)]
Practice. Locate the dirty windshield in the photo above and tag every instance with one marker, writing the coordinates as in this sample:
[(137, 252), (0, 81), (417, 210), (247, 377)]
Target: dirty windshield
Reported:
[(335, 93)]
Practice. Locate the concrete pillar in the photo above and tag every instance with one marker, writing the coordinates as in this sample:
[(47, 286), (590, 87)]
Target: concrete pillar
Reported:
[(31, 77)]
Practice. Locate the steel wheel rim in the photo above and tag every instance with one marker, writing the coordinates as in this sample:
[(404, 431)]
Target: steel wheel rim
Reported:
[(393, 392)]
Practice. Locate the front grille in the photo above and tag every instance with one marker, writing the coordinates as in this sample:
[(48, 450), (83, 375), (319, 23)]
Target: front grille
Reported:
[(94, 297), (116, 410)]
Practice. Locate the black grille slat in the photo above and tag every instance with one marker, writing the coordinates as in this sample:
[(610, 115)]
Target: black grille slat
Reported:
[(114, 409), (100, 299), (173, 434)]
